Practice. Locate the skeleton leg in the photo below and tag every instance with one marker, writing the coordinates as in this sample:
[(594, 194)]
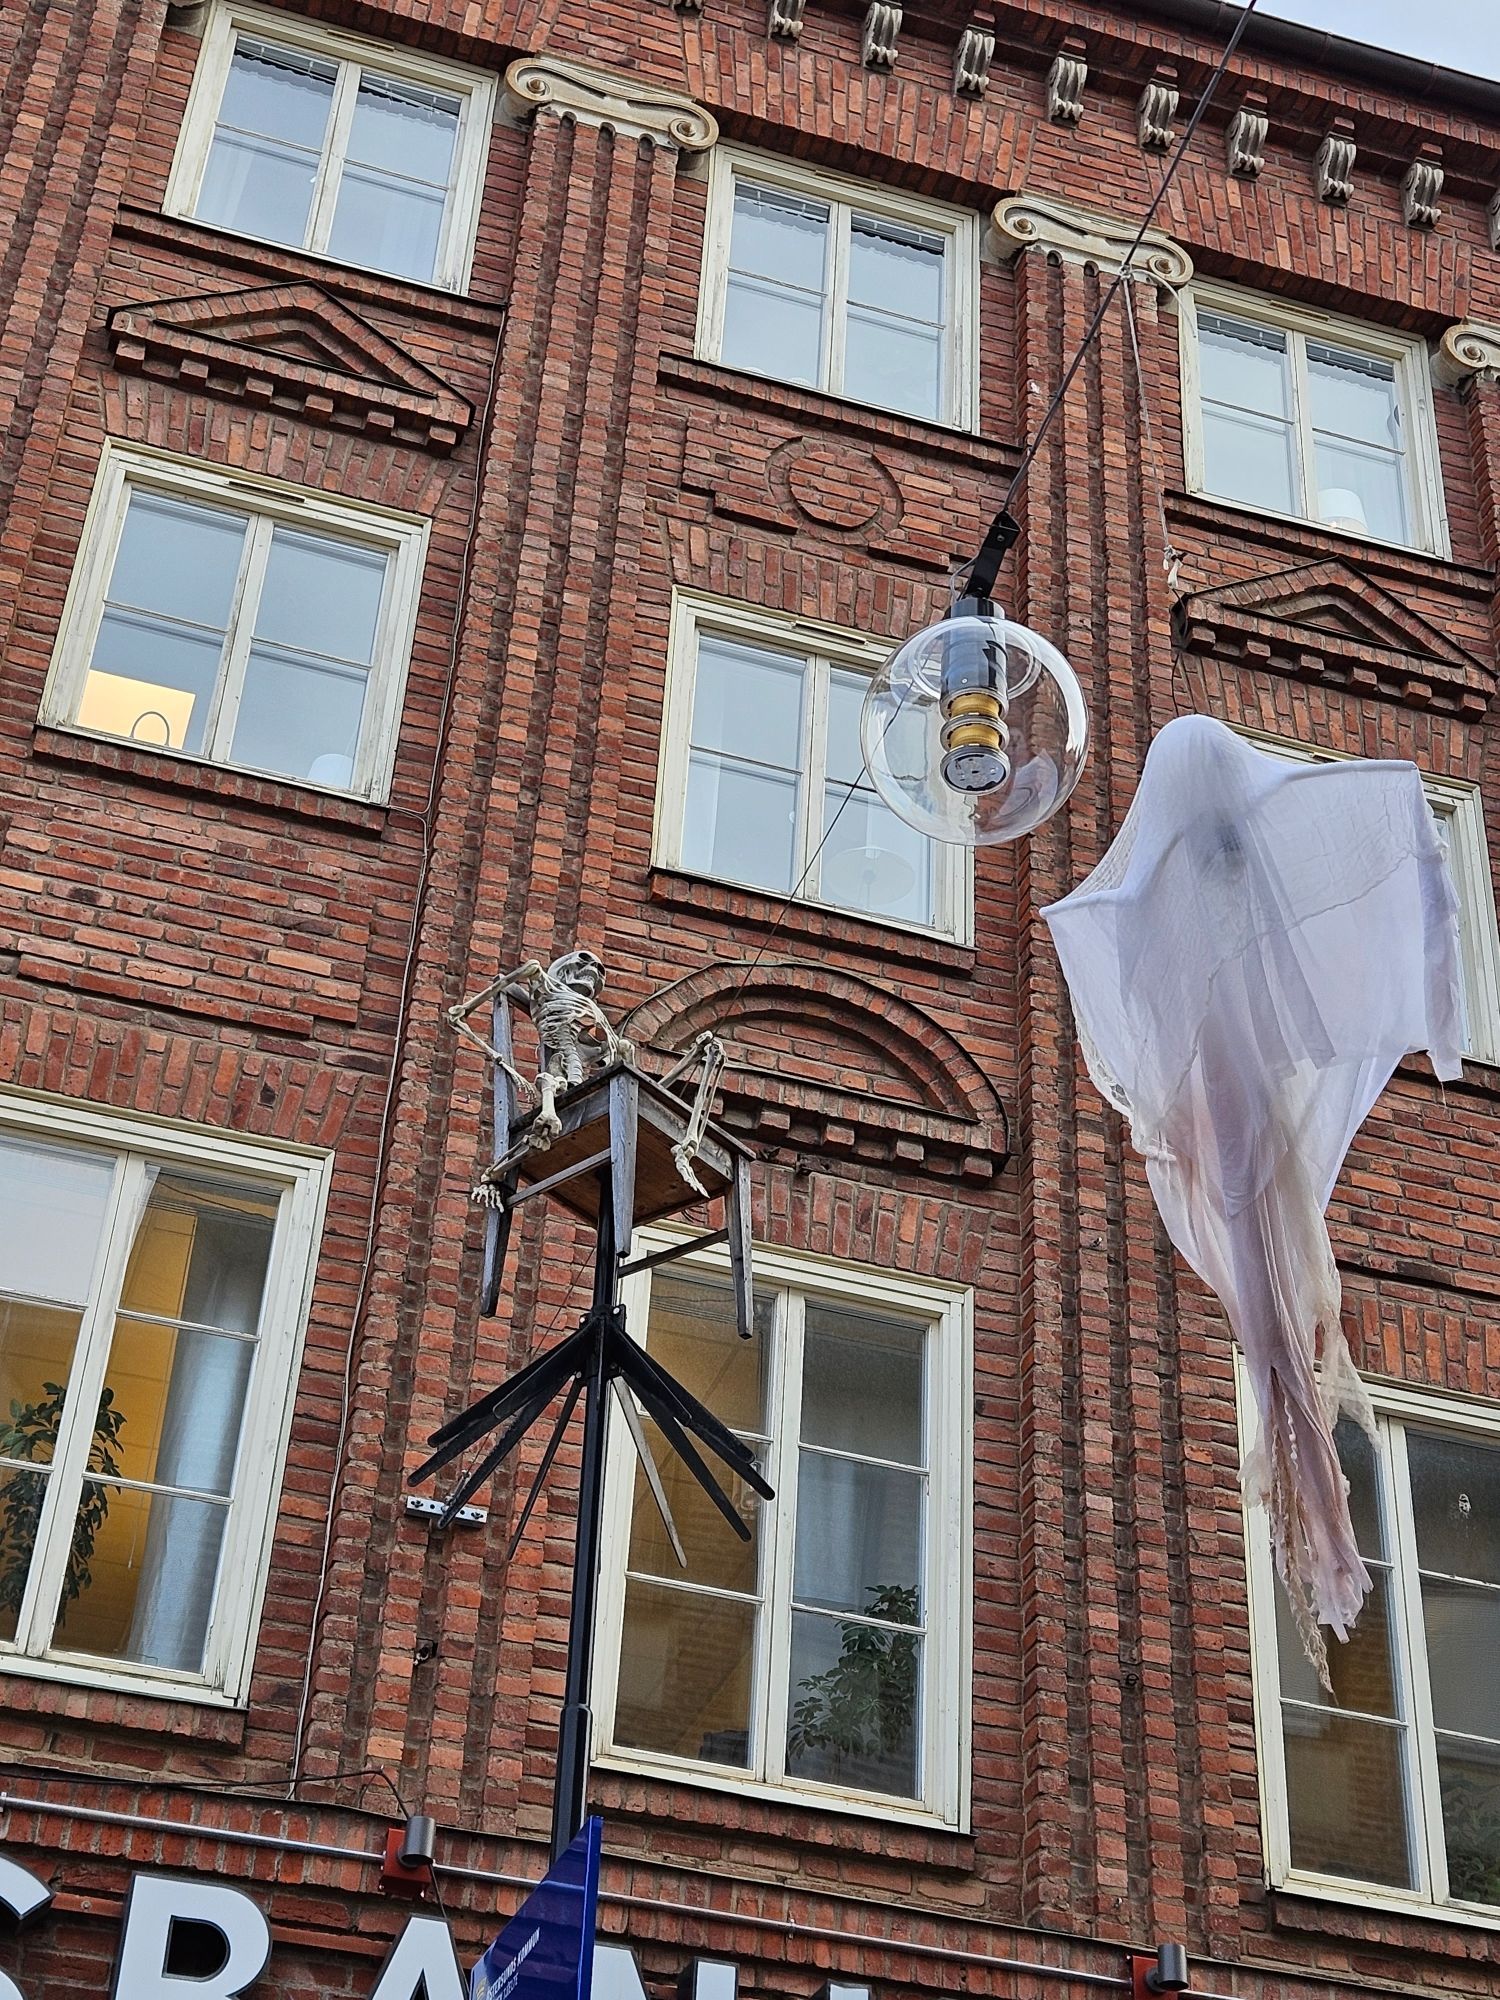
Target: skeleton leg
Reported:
[(710, 1051)]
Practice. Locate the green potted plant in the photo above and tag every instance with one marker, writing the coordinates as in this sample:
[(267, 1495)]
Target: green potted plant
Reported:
[(31, 1435)]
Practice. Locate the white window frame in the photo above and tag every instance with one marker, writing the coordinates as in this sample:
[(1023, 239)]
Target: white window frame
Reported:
[(126, 469), (1460, 809), (1395, 1406), (960, 409), (301, 1178), (826, 646), (948, 1703), (473, 87), (1408, 354)]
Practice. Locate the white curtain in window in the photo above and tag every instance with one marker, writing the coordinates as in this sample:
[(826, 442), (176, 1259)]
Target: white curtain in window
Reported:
[(1259, 948), (200, 1436)]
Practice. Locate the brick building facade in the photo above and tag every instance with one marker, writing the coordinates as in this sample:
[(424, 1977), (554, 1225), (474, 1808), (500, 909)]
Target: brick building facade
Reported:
[(459, 462)]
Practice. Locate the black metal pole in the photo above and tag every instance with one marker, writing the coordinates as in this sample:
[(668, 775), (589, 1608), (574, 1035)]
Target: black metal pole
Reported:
[(573, 1735)]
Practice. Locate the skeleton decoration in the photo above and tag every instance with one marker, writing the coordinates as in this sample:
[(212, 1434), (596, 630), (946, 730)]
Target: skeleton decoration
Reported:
[(1259, 948), (574, 1040)]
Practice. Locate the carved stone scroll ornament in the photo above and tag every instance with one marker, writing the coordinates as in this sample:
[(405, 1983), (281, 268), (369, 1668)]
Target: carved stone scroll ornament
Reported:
[(590, 95), (1333, 168), (785, 21), (1066, 82), (1245, 138), (1421, 187), (1080, 236), (1492, 219), (971, 61), (882, 32), (1156, 111), (1467, 349)]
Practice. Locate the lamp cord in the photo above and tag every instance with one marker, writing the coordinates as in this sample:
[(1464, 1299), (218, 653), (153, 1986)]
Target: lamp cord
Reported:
[(1001, 529)]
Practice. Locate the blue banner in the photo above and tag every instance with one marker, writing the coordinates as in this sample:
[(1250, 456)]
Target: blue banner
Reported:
[(546, 1951)]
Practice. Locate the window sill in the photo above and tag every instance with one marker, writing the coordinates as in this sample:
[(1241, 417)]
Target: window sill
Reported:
[(1301, 1904), (1311, 539), (814, 923), (641, 1788), (225, 247), (96, 1697), (164, 770), (691, 371)]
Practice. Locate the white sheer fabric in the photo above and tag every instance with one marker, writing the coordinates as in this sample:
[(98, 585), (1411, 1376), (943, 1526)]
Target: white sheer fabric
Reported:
[(1259, 948)]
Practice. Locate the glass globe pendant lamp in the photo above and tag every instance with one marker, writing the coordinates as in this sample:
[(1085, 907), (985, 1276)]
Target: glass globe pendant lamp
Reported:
[(975, 730)]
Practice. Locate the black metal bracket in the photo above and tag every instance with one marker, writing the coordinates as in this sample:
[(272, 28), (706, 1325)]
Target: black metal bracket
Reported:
[(1001, 537)]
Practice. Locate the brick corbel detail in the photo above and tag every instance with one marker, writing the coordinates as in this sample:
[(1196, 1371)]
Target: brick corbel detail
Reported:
[(590, 95)]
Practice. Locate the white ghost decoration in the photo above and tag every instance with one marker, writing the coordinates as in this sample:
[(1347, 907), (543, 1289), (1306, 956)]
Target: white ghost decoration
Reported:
[(1262, 944)]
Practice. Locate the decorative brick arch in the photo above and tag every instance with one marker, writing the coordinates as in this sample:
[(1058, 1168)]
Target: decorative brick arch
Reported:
[(823, 1061)]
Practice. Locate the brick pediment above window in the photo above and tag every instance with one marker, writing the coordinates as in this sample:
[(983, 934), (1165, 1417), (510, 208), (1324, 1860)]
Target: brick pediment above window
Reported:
[(296, 349), (821, 1061), (1326, 622)]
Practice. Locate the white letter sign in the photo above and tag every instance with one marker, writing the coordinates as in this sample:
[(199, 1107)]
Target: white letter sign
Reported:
[(154, 1906)]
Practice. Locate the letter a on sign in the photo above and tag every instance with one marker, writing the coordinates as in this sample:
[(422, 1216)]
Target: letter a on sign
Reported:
[(159, 1904), (422, 1965)]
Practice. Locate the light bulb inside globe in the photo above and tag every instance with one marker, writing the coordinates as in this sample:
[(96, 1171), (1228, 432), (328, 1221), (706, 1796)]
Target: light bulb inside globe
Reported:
[(975, 730)]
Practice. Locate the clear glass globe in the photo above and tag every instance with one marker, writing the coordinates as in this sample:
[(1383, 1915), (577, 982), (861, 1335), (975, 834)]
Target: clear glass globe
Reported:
[(975, 730)]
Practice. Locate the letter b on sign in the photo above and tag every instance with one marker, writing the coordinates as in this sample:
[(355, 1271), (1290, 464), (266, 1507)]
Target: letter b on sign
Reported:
[(184, 1939)]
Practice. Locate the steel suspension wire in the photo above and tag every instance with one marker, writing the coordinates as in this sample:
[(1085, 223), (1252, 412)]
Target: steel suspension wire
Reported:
[(1002, 530)]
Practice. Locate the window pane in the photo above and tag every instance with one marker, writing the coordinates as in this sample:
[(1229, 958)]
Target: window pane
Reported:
[(21, 1497), (1354, 395), (402, 129), (151, 682), (299, 719), (52, 1202), (862, 1384), (893, 366), (1247, 458), (141, 1576), (179, 1395), (770, 332), (178, 559), (257, 189), (1361, 489), (1357, 1457), (1346, 1797), (739, 824), (873, 861), (859, 1538), (1455, 1495), (36, 1353), (748, 703), (263, 163), (692, 1335), (278, 93), (779, 236), (201, 1253), (686, 1661), (897, 269), (387, 224), (1470, 1778), (1463, 1644), (321, 596), (1243, 365), (1360, 1668), (855, 1711), (716, 1557)]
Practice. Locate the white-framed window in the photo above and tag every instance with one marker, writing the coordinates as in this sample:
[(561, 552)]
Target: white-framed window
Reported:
[(828, 1659), (763, 780), (1388, 1790), (840, 285), (1310, 416), (154, 1281), (1458, 810), (240, 622), (357, 150)]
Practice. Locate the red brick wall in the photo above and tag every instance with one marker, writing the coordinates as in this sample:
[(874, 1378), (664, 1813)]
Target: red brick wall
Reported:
[(219, 949)]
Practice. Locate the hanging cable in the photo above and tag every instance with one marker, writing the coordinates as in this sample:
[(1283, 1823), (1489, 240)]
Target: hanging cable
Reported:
[(978, 577)]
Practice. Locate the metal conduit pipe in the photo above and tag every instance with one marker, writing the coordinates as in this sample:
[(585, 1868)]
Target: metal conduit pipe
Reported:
[(787, 1926)]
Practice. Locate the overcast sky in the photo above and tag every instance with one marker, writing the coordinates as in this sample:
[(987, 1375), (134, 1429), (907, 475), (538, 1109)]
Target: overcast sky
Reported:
[(1459, 34)]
